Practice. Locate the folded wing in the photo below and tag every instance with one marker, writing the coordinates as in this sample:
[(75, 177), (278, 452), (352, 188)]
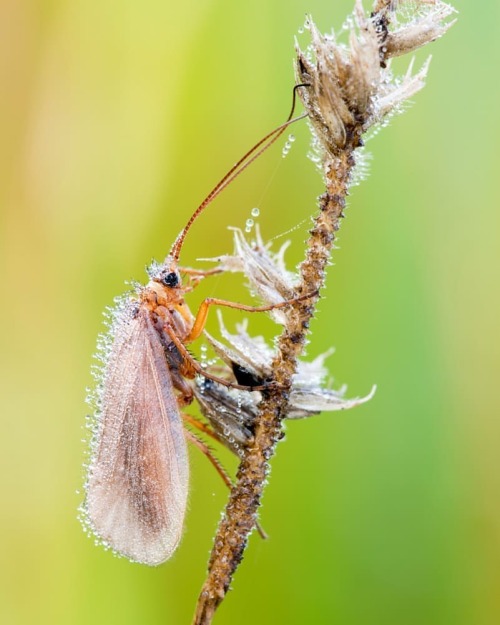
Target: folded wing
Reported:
[(138, 477)]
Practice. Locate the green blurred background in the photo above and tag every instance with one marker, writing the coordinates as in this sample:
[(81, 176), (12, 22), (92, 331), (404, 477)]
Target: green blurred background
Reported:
[(116, 119)]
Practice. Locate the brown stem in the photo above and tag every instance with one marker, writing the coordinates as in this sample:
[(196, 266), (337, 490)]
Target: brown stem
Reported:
[(241, 511), (341, 96)]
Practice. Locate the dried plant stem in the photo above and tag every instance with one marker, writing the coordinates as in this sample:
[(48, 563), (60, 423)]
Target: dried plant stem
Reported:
[(347, 92), (241, 511)]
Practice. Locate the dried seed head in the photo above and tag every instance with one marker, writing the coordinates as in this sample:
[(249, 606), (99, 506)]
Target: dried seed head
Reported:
[(232, 413), (251, 354), (349, 88)]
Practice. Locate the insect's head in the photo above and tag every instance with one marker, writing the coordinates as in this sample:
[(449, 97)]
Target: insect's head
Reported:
[(166, 274), (169, 277)]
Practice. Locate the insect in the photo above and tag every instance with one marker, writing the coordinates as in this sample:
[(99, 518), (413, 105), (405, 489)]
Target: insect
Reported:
[(137, 481)]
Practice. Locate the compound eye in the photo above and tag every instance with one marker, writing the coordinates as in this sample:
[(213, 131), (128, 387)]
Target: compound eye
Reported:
[(171, 279)]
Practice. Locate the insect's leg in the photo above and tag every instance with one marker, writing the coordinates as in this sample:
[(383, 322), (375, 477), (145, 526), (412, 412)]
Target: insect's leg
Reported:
[(199, 425), (197, 275), (186, 395), (201, 316), (202, 273), (205, 449), (191, 366)]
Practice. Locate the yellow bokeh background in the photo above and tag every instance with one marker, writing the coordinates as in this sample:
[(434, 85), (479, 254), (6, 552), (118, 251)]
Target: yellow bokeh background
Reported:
[(116, 119)]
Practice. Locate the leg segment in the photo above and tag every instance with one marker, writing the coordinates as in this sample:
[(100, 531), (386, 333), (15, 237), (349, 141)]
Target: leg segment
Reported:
[(197, 275), (205, 449), (199, 425), (201, 273), (201, 316)]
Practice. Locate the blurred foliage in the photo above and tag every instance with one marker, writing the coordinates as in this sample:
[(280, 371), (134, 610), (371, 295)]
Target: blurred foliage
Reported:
[(116, 119)]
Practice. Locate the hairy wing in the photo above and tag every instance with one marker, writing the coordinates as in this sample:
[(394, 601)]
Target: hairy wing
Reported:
[(138, 478)]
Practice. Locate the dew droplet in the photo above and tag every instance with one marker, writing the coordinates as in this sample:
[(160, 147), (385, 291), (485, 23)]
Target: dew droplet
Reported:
[(249, 224), (255, 212)]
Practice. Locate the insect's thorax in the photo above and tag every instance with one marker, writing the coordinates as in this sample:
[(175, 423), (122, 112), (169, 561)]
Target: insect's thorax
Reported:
[(167, 308)]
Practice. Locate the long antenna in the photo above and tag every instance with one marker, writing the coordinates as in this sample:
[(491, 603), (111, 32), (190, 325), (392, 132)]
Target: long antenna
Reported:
[(234, 172)]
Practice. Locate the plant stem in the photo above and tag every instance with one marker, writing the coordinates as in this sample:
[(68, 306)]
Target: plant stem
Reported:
[(241, 511), (344, 92)]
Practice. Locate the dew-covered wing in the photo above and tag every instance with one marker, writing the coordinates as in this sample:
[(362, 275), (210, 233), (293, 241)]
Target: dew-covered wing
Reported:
[(138, 476)]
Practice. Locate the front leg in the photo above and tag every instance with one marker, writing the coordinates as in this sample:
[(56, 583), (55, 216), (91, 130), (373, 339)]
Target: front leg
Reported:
[(197, 275), (202, 314)]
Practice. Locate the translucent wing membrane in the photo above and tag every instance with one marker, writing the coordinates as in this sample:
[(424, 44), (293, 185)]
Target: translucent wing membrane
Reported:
[(138, 476)]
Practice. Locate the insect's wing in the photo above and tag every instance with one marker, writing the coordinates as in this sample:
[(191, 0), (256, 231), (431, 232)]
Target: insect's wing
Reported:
[(138, 478)]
